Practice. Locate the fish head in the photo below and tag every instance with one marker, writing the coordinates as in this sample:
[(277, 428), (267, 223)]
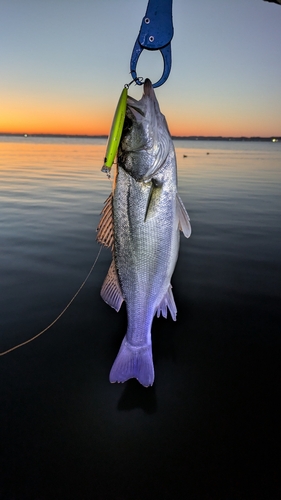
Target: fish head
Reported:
[(145, 141)]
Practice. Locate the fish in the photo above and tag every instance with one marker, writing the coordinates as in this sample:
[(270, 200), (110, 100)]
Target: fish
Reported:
[(141, 223)]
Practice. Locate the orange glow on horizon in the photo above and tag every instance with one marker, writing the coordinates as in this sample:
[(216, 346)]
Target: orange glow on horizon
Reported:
[(31, 116), (54, 125), (102, 128)]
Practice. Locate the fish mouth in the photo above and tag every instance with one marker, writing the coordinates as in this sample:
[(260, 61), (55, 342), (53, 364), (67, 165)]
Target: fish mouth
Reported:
[(136, 107), (148, 88)]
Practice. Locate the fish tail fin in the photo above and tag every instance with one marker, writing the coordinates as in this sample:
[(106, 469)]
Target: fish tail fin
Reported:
[(133, 362)]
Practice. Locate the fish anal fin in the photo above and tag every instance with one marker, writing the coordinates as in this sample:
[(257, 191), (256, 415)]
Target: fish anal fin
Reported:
[(105, 234), (168, 301), (133, 362), (110, 290), (184, 220)]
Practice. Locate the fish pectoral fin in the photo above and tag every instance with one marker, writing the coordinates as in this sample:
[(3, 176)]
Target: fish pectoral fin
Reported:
[(184, 220), (168, 301), (153, 200), (110, 290), (105, 234)]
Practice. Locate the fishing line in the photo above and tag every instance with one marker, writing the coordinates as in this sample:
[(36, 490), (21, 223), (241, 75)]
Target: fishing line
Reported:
[(59, 316)]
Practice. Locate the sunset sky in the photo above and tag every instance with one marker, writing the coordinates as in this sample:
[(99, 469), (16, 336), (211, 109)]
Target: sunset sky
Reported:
[(65, 62)]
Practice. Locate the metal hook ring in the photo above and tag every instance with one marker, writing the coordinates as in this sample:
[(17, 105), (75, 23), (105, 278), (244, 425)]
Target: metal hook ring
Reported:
[(138, 81)]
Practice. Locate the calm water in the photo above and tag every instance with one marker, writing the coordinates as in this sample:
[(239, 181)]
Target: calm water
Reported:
[(210, 424)]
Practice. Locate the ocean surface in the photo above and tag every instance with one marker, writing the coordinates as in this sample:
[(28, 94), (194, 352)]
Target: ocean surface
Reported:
[(209, 428)]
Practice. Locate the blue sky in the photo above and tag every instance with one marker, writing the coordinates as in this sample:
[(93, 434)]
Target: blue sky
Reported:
[(64, 64)]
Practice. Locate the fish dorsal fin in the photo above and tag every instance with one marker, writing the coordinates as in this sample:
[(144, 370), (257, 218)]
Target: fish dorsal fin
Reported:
[(153, 200), (110, 290), (105, 234), (168, 301), (184, 220)]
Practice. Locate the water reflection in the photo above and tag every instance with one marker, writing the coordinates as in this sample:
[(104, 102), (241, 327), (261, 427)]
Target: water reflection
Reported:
[(136, 396), (217, 368)]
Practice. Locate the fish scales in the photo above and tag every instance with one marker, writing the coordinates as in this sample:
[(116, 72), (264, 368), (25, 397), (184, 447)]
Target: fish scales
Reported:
[(140, 251), (147, 215)]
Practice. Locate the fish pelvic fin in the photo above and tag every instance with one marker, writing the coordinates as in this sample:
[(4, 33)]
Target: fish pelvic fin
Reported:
[(105, 234), (111, 291), (133, 362), (184, 220), (168, 302)]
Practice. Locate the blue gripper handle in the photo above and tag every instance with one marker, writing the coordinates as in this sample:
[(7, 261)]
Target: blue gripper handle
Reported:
[(156, 33)]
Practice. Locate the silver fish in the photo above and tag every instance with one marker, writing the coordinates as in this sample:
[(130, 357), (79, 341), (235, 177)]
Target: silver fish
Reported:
[(141, 221)]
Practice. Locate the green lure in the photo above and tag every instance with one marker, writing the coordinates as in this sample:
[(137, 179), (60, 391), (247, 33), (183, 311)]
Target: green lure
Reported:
[(115, 132)]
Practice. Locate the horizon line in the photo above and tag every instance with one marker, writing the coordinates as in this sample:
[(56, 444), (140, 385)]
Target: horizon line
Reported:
[(174, 137)]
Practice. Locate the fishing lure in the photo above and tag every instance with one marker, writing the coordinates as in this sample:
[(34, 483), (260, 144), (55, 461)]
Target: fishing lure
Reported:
[(115, 132)]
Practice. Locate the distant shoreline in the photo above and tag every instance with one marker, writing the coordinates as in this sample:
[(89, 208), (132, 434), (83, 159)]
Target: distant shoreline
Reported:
[(174, 137)]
